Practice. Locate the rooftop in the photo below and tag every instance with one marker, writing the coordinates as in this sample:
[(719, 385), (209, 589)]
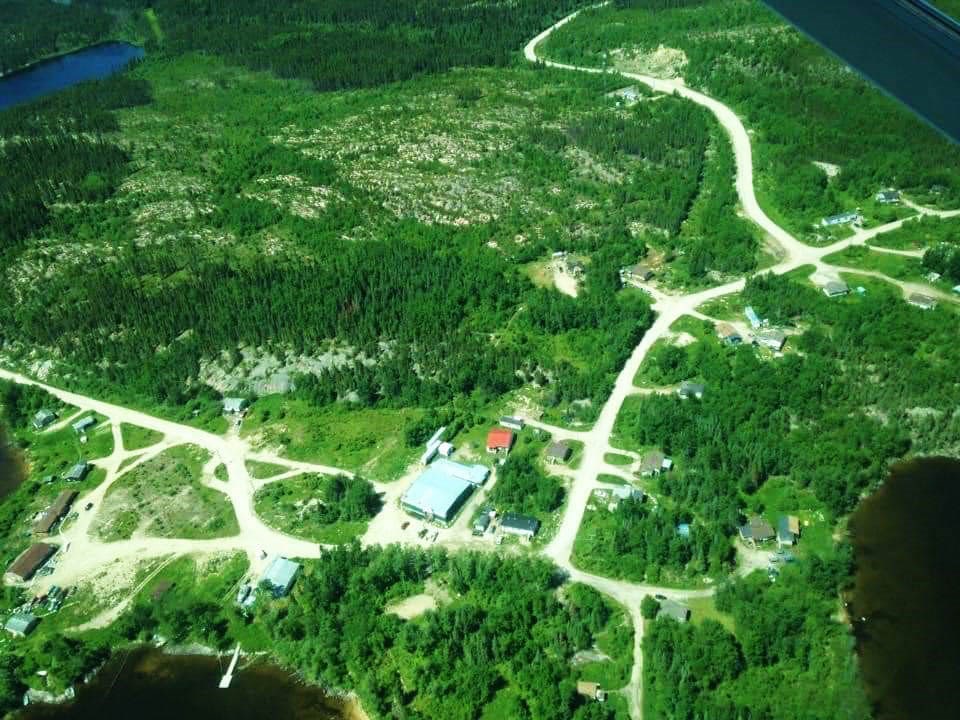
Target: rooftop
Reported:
[(523, 523), (56, 510), (474, 474), (558, 451), (280, 574), (673, 609), (923, 301), (30, 560), (20, 623), (436, 492), (499, 438)]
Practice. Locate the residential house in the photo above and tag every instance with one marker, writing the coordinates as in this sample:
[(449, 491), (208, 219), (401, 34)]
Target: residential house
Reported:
[(481, 524), (84, 424), (499, 441), (514, 423), (78, 472), (591, 690), (21, 624), (43, 418), (924, 302), (28, 562), (56, 511), (627, 492), (522, 525), (847, 218), (756, 531), (773, 339), (674, 610), (728, 334), (636, 273), (280, 575), (689, 389), (835, 288), (683, 530), (887, 197), (558, 452), (654, 463), (234, 405), (788, 530)]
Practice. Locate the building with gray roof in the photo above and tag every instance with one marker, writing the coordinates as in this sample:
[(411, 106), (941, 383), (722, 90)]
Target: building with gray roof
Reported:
[(280, 575), (43, 418), (84, 424), (516, 524), (21, 624)]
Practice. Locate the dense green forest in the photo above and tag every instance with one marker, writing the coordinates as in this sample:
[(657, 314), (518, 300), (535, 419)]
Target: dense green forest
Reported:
[(802, 104), (789, 658)]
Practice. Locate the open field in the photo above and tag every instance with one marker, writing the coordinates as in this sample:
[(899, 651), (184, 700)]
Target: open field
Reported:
[(135, 438)]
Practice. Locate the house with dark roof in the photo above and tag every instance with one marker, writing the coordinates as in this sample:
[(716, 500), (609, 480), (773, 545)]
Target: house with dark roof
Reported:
[(887, 197), (558, 452), (43, 418), (84, 424), (78, 472), (835, 288), (756, 531), (788, 530), (522, 525), (499, 441), (773, 339), (54, 513), (514, 423), (28, 562), (21, 624), (924, 302), (689, 389), (636, 273)]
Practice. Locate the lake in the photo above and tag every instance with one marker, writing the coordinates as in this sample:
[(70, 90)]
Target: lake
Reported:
[(49, 76), (148, 685), (905, 587)]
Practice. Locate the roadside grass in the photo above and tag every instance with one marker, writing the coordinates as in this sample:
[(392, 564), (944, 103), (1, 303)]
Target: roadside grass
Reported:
[(700, 329), (164, 497), (728, 307), (704, 608), (611, 479), (261, 470), (872, 285), (137, 438), (617, 459), (291, 505), (801, 274), (362, 440), (916, 234), (220, 473), (576, 454), (894, 266)]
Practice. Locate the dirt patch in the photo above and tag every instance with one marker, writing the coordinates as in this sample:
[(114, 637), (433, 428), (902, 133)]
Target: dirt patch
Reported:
[(413, 606), (664, 62)]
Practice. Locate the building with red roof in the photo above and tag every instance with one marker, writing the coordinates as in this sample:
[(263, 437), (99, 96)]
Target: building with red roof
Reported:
[(499, 440)]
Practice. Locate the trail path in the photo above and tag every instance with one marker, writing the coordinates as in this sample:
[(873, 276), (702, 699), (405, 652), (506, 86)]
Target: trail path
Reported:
[(256, 539)]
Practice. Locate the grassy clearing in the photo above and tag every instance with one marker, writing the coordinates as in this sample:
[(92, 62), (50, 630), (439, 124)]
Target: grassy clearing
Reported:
[(164, 497), (617, 459), (779, 496), (136, 437), (615, 641), (863, 258), (362, 440), (53, 453), (611, 479), (704, 608), (696, 327), (262, 470), (307, 506)]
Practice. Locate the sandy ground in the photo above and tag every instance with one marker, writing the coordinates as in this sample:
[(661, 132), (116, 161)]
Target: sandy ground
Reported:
[(413, 606), (565, 283)]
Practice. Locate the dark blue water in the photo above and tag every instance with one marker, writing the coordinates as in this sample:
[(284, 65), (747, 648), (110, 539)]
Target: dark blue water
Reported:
[(49, 76)]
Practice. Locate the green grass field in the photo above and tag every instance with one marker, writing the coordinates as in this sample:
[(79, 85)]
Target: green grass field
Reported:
[(262, 470), (136, 437), (164, 497), (617, 459), (894, 266)]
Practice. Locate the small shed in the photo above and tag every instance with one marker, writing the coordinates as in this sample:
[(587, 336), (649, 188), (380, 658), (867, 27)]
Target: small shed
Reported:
[(445, 449), (924, 302), (481, 524), (234, 405), (499, 441), (84, 424), (558, 452), (43, 418), (689, 389), (280, 575), (835, 288), (516, 524), (21, 624)]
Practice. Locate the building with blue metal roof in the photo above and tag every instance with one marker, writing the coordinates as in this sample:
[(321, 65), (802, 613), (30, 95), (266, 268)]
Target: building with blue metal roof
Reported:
[(441, 490), (280, 575)]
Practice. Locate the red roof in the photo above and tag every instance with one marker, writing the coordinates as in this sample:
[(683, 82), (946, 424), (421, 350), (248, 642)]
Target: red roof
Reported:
[(499, 438)]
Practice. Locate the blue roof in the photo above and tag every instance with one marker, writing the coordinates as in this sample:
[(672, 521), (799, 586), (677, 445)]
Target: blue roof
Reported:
[(474, 474), (437, 492), (683, 530), (752, 316)]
